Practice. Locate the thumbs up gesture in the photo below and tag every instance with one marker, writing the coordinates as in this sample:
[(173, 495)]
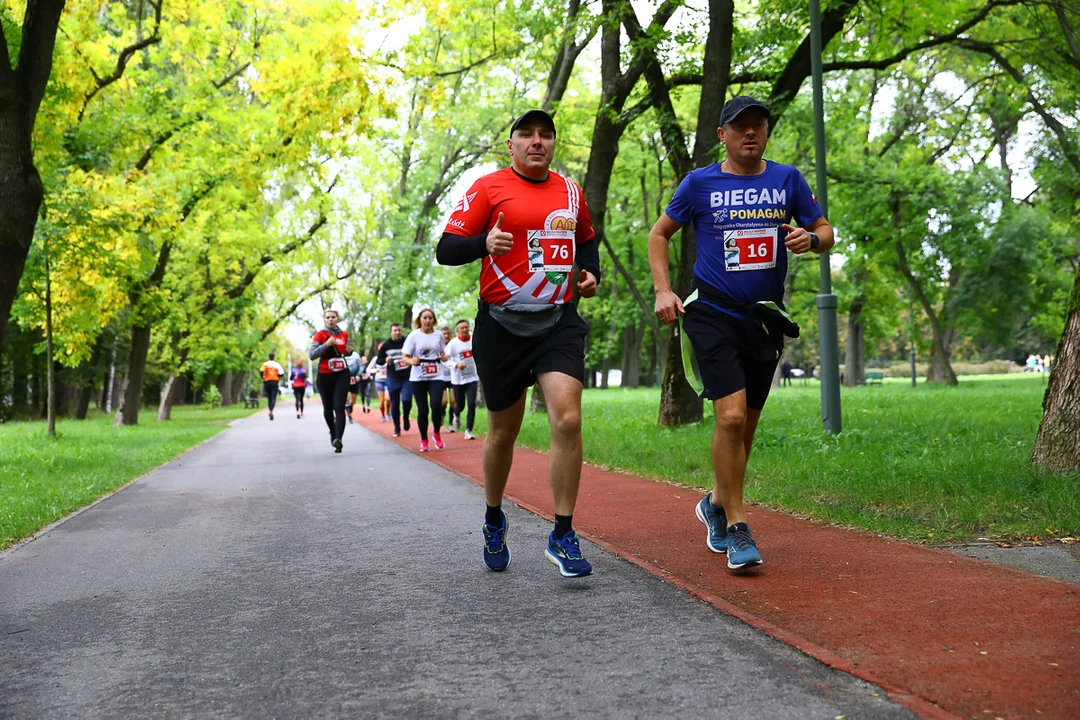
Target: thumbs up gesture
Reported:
[(499, 241)]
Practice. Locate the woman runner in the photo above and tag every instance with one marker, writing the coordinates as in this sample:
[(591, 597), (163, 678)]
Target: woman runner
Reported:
[(330, 346), (424, 350), (379, 373), (298, 380)]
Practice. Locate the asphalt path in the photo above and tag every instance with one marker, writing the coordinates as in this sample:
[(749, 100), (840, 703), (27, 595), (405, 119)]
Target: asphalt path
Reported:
[(261, 575)]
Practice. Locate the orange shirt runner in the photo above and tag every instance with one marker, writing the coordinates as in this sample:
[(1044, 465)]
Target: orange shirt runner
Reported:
[(548, 222)]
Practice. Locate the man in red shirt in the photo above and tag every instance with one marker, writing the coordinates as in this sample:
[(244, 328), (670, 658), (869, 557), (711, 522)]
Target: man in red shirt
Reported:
[(530, 227)]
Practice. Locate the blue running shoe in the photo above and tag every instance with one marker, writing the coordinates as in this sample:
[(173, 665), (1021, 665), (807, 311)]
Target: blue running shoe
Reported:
[(713, 518), (496, 551), (566, 554), (742, 552)]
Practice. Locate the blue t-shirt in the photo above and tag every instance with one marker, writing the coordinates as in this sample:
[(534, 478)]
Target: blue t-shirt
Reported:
[(737, 219)]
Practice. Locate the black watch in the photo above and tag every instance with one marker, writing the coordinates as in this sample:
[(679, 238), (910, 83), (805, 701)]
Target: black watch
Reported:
[(814, 240)]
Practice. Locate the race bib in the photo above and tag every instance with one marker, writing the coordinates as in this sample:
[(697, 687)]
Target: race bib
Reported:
[(750, 249), (466, 354), (551, 251), (336, 364), (429, 370), (400, 364)]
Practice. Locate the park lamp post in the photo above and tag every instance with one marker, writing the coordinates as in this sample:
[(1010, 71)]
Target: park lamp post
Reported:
[(829, 340)]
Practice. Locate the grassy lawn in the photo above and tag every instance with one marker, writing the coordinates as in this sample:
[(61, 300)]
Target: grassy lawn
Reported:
[(932, 463), (43, 479)]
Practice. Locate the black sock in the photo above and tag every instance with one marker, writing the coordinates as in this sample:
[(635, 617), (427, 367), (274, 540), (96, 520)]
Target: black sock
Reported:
[(563, 525), (494, 516)]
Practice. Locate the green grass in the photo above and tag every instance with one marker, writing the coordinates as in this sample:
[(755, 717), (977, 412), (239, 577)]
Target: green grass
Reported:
[(42, 479), (932, 463)]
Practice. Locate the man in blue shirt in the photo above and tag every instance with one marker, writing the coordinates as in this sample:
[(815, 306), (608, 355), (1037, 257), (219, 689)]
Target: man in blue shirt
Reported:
[(742, 210)]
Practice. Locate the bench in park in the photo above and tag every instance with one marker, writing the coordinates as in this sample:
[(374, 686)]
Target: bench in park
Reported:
[(251, 400), (874, 378)]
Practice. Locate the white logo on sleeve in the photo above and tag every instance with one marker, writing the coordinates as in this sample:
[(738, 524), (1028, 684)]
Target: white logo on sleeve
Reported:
[(463, 204)]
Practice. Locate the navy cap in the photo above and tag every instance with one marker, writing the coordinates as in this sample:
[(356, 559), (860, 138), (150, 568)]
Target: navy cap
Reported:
[(737, 105), (534, 116)]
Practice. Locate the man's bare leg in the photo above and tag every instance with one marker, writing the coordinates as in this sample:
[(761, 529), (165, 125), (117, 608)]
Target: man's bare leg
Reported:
[(563, 395), (731, 442), (503, 428)]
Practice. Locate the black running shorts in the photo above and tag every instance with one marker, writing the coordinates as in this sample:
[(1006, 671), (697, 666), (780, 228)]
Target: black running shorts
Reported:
[(508, 364), (729, 356)]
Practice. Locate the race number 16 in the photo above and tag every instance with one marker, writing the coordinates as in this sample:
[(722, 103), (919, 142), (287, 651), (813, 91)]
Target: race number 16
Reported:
[(760, 250)]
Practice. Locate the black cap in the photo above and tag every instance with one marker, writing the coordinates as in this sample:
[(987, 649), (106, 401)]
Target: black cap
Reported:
[(534, 116), (736, 105)]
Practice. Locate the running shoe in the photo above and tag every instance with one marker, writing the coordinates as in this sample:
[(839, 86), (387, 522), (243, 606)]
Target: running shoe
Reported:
[(742, 551), (715, 520), (397, 434), (565, 553), (384, 419), (496, 551), (337, 445), (406, 423), (456, 425), (297, 416), (439, 444), (469, 435), (450, 428), (271, 415), (423, 446)]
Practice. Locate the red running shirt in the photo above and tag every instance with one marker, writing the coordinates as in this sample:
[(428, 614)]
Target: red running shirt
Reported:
[(321, 337), (548, 221)]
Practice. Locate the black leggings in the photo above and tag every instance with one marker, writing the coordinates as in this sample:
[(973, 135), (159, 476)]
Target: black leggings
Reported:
[(425, 392), (400, 401), (334, 389), (299, 393), (461, 394), (270, 387)]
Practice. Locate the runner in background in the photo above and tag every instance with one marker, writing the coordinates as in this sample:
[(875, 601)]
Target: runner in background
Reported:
[(330, 346), (356, 367), (365, 385), (298, 381), (378, 371), (449, 412), (397, 378), (425, 351), (271, 375), (530, 229), (463, 376)]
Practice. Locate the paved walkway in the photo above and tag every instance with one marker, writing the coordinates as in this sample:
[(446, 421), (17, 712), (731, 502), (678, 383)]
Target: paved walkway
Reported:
[(261, 575), (946, 635)]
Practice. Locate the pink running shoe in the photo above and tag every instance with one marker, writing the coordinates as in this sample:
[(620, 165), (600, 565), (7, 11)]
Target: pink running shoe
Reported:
[(439, 444), (423, 446)]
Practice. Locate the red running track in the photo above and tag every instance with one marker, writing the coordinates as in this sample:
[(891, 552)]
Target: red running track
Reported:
[(944, 635)]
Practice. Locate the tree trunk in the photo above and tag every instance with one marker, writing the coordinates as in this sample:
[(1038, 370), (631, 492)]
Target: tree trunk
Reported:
[(679, 404), (631, 363), (854, 356), (21, 194), (168, 397), (1057, 445), (224, 386), (50, 407), (20, 381), (940, 368), (239, 380), (21, 90), (131, 399), (86, 385)]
